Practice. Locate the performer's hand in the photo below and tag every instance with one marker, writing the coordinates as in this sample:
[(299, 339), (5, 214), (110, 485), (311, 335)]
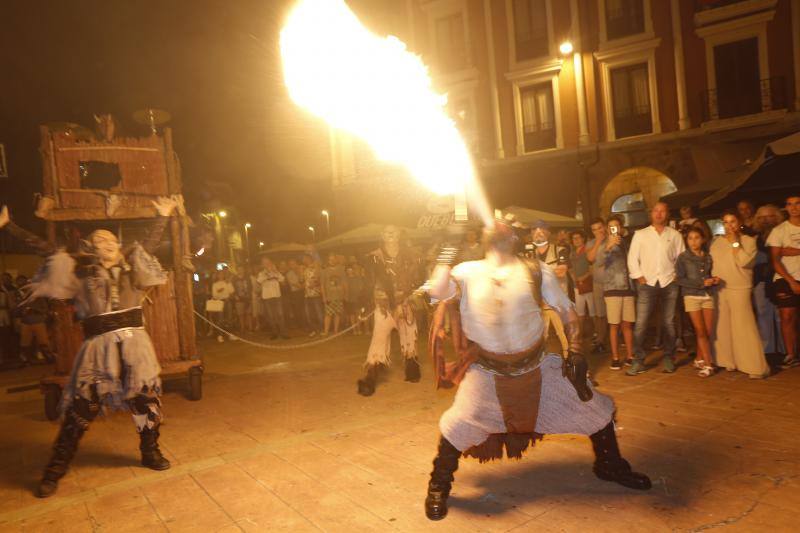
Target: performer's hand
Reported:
[(4, 216), (164, 205)]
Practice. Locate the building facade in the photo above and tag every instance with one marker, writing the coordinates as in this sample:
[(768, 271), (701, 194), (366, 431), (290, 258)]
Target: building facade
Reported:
[(611, 102)]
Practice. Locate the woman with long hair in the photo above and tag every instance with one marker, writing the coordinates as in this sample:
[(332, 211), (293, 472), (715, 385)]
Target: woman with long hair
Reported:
[(737, 343), (693, 270)]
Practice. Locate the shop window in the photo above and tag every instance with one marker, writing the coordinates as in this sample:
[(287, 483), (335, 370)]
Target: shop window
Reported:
[(632, 208)]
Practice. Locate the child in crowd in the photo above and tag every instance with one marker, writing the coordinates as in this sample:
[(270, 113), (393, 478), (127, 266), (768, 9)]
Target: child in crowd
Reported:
[(693, 270)]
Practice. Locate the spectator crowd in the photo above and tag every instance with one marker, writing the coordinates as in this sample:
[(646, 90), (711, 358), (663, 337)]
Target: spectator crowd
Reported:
[(731, 298)]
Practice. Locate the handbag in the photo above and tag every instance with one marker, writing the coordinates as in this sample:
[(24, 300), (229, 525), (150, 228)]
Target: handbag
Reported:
[(215, 306), (585, 285)]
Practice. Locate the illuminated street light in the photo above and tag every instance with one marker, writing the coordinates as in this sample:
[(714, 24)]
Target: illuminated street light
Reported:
[(313, 233), (260, 244), (565, 48), (327, 222), (247, 227), (223, 214)]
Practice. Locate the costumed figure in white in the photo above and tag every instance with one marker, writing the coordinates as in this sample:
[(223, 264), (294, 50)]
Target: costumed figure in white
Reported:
[(397, 273), (116, 366), (510, 392)]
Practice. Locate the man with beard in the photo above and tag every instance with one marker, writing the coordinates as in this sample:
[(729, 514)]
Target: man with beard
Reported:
[(397, 273), (510, 392), (556, 258)]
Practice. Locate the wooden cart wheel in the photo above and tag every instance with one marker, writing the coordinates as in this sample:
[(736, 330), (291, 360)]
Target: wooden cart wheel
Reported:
[(52, 395), (195, 383)]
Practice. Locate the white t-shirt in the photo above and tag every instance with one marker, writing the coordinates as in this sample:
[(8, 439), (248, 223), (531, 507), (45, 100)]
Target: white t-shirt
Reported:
[(497, 307), (222, 290), (786, 235)]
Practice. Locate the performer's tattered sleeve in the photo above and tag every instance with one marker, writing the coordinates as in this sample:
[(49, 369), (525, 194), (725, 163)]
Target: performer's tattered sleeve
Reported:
[(154, 233), (456, 282), (41, 246), (147, 271)]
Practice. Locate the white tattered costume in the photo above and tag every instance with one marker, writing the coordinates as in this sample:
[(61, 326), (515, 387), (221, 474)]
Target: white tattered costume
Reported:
[(502, 320)]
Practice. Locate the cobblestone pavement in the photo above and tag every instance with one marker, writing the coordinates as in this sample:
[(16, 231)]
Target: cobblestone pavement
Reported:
[(281, 441)]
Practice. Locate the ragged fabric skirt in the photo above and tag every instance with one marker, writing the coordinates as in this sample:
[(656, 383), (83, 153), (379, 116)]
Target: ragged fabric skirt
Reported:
[(492, 412), (404, 322), (118, 365)]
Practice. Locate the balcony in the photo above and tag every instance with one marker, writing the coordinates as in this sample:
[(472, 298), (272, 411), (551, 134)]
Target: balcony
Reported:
[(705, 5), (730, 102)]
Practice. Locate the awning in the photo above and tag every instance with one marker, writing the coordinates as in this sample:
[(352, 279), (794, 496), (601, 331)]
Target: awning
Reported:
[(693, 194), (369, 234), (774, 173), (529, 216), (287, 247)]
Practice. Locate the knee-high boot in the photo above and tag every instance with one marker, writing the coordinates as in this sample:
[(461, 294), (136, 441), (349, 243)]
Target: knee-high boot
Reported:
[(445, 463), (151, 453), (76, 422), (412, 370), (609, 464), (366, 385)]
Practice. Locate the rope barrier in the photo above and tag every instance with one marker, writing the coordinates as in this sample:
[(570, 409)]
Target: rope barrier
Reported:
[(284, 346)]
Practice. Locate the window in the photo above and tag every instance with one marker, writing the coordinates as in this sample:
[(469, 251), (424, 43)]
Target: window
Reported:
[(538, 117), (738, 89), (624, 18), (631, 100), (451, 43), (633, 209), (531, 39)]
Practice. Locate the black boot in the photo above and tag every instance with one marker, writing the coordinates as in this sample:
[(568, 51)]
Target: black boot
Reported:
[(72, 429), (609, 464), (366, 385), (412, 370), (151, 455), (445, 463)]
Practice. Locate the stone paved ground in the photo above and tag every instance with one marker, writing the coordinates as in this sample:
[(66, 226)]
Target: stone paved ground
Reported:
[(281, 441)]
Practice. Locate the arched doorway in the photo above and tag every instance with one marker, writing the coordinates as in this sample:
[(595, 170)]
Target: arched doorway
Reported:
[(632, 193)]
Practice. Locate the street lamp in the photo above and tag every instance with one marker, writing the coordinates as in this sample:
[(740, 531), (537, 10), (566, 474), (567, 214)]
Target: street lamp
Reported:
[(313, 233), (565, 48), (247, 227), (327, 222), (260, 244), (222, 214)]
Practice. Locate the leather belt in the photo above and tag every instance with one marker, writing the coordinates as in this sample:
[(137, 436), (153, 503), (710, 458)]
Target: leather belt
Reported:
[(99, 324), (509, 364)]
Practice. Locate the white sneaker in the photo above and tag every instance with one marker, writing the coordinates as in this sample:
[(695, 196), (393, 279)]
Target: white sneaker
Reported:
[(220, 338)]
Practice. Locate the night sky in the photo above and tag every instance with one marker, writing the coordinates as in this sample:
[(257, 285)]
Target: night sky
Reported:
[(213, 64)]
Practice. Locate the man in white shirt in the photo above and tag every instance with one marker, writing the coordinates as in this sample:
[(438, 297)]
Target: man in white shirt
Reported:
[(784, 243), (651, 263)]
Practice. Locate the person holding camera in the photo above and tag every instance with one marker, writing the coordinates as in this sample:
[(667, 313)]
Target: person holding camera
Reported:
[(620, 298), (737, 343)]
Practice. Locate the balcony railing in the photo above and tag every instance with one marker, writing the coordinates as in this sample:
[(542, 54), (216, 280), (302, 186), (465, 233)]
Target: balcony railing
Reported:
[(738, 101), (705, 5)]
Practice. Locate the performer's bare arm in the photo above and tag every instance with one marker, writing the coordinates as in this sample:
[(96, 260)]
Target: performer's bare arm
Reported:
[(440, 283), (31, 239)]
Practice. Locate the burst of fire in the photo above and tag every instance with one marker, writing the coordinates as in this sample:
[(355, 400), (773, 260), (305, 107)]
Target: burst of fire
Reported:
[(375, 89)]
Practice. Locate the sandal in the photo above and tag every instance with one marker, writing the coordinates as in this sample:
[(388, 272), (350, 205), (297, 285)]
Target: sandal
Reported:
[(790, 362), (706, 371), (699, 364)]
